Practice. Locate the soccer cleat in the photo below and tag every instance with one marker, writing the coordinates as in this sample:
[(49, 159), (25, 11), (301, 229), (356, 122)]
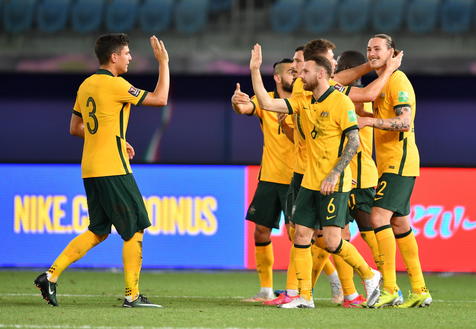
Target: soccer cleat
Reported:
[(387, 299), (400, 297), (279, 292), (372, 288), (47, 288), (417, 300), (357, 302), (337, 293), (283, 298), (298, 302), (141, 301), (260, 297)]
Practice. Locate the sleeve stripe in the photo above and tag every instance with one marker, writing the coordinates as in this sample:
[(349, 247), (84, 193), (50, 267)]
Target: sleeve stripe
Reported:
[(142, 98), (347, 92), (401, 105), (254, 109), (350, 128), (77, 113), (290, 108)]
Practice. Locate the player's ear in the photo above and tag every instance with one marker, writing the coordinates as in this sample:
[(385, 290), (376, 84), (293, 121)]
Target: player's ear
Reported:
[(277, 78)]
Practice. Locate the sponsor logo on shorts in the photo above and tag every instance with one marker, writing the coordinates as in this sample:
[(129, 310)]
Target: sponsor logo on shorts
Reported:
[(330, 217), (378, 198)]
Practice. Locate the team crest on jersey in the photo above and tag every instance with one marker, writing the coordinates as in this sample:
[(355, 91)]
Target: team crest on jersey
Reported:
[(339, 87), (324, 114), (402, 96), (351, 115), (134, 91)]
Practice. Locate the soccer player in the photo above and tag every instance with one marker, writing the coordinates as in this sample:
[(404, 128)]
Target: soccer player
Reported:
[(100, 116), (328, 119), (398, 164), (269, 200)]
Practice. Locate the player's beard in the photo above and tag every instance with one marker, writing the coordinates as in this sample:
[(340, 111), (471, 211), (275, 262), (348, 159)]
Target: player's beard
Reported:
[(288, 87), (310, 85)]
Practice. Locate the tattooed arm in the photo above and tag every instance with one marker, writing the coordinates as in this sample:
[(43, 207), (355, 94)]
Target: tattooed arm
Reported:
[(328, 185), (401, 122)]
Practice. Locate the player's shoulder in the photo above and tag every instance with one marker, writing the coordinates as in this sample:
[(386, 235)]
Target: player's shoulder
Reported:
[(399, 76)]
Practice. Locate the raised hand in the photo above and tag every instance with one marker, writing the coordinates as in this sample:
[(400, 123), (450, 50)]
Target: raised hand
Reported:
[(394, 63), (239, 97), (158, 47), (256, 58)]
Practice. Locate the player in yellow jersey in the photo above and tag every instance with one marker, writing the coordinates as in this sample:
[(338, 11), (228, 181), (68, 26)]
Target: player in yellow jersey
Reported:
[(398, 165), (100, 116), (269, 200), (328, 120)]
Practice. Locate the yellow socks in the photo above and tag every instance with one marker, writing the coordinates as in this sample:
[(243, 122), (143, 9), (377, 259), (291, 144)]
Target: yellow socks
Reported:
[(348, 252), (132, 260), (303, 264), (291, 279), (346, 275), (409, 251), (329, 268), (75, 250), (264, 263), (320, 258), (388, 248), (371, 240)]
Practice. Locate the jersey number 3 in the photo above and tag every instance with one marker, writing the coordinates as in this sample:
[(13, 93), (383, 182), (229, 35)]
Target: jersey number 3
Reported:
[(92, 130)]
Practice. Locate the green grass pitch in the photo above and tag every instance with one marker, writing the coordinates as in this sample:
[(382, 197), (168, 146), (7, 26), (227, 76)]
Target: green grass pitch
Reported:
[(92, 300)]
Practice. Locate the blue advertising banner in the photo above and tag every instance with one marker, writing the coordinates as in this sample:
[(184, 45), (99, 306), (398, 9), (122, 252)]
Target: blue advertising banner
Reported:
[(196, 214)]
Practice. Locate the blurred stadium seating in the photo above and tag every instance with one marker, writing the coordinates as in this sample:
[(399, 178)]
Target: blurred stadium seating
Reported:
[(387, 16), (353, 15), (155, 15), (18, 15), (456, 15), (121, 15), (422, 15), (280, 19), (52, 15), (86, 15), (319, 15), (191, 16)]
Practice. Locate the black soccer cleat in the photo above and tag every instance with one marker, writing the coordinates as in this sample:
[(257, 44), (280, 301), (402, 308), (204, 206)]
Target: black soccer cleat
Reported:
[(47, 288), (141, 301)]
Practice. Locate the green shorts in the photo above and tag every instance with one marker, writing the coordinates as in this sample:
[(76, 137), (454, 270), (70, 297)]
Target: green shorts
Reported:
[(315, 210), (393, 193), (361, 199), (268, 203), (115, 200), (292, 195)]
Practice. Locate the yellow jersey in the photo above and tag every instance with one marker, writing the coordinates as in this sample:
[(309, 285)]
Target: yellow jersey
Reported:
[(300, 153), (396, 151), (276, 161), (364, 170), (104, 102), (325, 122)]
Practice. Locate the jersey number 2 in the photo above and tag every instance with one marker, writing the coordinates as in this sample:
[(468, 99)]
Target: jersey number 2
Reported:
[(92, 115)]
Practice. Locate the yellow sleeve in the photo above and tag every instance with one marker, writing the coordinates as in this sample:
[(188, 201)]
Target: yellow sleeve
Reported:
[(348, 117), (256, 109), (77, 108), (127, 93), (401, 92), (340, 88), (295, 103)]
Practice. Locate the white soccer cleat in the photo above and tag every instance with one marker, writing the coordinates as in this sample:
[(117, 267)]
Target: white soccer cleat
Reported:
[(298, 303), (372, 289)]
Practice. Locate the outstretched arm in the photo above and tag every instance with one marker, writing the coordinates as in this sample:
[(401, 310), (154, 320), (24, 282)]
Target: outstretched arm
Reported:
[(265, 101), (160, 95), (329, 183), (401, 122), (241, 102), (373, 89), (76, 126), (346, 77)]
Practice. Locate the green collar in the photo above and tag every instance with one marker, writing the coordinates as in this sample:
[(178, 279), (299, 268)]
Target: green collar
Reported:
[(323, 96), (276, 95), (103, 71)]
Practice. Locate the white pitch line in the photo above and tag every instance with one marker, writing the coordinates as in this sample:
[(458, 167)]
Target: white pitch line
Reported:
[(191, 297), (36, 326)]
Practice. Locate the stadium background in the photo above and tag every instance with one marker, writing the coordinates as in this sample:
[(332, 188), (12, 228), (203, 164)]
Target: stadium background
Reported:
[(199, 192)]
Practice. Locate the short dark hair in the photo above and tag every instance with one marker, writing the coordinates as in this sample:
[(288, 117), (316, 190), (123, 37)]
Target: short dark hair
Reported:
[(317, 47), (300, 48), (349, 59), (323, 62), (388, 40), (107, 44), (277, 65)]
